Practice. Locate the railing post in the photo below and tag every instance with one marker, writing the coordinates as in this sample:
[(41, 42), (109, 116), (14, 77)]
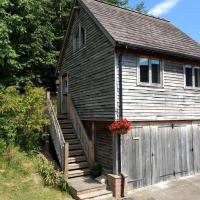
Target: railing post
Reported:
[(48, 95), (66, 156), (91, 153)]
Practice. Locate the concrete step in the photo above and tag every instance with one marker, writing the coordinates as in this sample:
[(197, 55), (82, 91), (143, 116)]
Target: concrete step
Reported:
[(79, 172), (96, 195), (75, 152), (84, 184), (75, 146), (80, 165), (76, 159), (70, 136), (73, 141)]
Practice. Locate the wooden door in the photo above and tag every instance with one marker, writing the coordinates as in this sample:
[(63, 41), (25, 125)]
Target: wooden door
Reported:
[(162, 152), (136, 158), (183, 149)]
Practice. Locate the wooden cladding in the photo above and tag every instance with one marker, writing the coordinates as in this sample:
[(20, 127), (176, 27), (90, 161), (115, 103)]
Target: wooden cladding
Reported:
[(163, 152)]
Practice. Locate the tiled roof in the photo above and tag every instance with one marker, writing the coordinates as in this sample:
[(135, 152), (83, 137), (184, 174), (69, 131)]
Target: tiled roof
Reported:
[(133, 28)]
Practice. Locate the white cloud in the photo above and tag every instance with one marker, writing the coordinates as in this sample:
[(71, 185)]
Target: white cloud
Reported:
[(163, 7)]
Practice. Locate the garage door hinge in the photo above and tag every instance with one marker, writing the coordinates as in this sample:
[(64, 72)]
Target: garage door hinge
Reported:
[(174, 173), (192, 149), (172, 126), (152, 154)]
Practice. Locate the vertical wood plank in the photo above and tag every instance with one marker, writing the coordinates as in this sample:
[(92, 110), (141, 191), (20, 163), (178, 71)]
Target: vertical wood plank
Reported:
[(66, 156)]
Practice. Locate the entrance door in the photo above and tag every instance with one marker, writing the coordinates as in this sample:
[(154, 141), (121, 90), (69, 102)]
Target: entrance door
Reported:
[(64, 89)]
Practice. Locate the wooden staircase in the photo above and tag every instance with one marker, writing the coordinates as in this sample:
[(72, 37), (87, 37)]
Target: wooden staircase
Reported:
[(77, 163), (75, 152)]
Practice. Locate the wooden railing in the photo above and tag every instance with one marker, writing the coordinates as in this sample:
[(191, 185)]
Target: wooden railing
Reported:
[(87, 144), (61, 147)]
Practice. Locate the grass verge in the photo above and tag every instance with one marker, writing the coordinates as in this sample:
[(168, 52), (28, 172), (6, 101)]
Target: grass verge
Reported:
[(19, 180)]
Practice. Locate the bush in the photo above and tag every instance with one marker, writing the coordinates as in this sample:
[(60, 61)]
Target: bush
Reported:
[(46, 170), (22, 116), (50, 176)]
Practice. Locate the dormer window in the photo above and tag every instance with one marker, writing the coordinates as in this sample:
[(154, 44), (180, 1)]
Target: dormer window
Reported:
[(79, 39)]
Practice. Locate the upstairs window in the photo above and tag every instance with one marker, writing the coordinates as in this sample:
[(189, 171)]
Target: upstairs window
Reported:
[(149, 71), (192, 76), (79, 38)]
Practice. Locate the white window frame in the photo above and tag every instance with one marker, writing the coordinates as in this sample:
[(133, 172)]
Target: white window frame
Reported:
[(139, 83), (193, 77)]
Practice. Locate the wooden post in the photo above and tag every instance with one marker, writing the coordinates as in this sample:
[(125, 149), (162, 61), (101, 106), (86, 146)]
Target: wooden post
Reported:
[(66, 156), (91, 153), (48, 95)]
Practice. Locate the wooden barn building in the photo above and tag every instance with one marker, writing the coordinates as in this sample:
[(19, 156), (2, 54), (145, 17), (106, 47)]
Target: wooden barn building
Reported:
[(120, 63)]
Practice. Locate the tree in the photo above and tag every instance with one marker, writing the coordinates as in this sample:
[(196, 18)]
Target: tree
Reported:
[(30, 38), (121, 3), (140, 7)]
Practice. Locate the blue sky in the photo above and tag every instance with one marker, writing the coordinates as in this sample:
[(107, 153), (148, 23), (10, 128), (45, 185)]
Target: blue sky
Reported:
[(185, 14)]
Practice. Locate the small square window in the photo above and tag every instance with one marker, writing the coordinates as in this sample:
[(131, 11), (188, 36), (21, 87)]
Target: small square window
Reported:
[(144, 70)]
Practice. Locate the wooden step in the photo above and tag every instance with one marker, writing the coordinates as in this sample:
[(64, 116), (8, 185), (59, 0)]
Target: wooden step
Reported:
[(76, 159), (80, 172), (75, 146), (73, 141), (80, 165), (66, 126), (96, 195), (75, 152), (62, 117), (65, 121), (70, 136), (66, 131)]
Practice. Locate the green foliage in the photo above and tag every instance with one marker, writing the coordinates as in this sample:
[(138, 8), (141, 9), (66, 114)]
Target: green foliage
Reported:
[(140, 7), (22, 116), (121, 3), (30, 39), (46, 170), (50, 176)]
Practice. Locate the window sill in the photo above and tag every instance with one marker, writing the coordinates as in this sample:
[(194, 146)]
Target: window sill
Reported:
[(150, 85), (192, 88)]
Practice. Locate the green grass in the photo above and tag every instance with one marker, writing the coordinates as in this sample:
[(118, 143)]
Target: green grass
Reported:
[(19, 180)]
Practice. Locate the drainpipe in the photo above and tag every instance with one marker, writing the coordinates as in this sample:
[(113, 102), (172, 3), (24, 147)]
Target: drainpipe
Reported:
[(120, 57)]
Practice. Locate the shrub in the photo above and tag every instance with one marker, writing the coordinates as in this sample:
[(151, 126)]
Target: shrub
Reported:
[(46, 170), (22, 116), (50, 176)]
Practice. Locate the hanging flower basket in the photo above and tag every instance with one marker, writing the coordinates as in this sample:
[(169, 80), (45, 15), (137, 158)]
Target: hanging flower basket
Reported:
[(120, 127)]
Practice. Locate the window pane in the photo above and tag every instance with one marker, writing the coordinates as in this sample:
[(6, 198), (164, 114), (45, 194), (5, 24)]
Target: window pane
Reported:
[(144, 70), (155, 67), (197, 77), (188, 76), (82, 36)]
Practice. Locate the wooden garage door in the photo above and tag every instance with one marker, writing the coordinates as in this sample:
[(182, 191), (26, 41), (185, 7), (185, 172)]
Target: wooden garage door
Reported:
[(172, 151), (153, 153)]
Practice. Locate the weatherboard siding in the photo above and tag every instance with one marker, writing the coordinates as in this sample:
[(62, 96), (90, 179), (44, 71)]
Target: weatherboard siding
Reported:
[(91, 71), (169, 102)]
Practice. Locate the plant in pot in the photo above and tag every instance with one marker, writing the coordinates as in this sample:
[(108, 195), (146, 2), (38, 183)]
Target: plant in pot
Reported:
[(96, 169), (120, 127)]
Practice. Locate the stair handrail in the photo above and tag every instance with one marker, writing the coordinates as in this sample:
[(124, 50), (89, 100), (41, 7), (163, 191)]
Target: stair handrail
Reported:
[(61, 146), (86, 142)]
